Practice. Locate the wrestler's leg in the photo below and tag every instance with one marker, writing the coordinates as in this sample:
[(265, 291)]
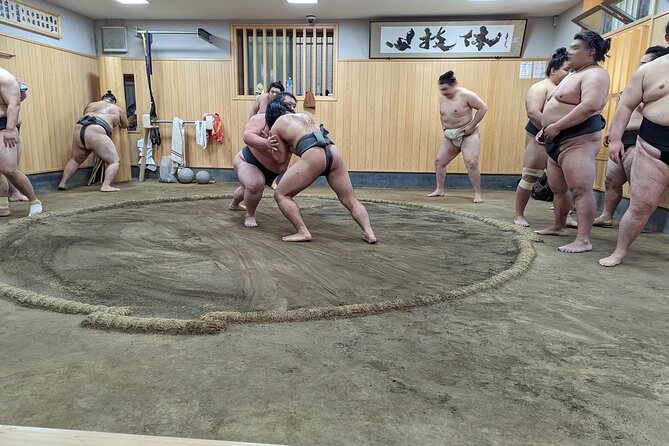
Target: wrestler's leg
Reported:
[(104, 148), (238, 194), (14, 193), (561, 203), (10, 169), (4, 200), (471, 149), (253, 184), (649, 180), (535, 160), (297, 178), (447, 152), (340, 182), (79, 155), (578, 165), (615, 179)]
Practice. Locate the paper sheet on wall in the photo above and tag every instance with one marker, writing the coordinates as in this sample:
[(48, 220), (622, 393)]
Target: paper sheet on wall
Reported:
[(539, 69), (526, 70)]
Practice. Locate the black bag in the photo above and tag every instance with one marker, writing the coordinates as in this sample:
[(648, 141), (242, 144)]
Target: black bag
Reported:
[(541, 190)]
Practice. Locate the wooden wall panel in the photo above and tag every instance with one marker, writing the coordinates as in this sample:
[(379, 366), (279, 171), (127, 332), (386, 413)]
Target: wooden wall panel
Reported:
[(384, 118), (589, 4), (659, 29), (188, 90), (60, 85), (657, 37), (111, 78)]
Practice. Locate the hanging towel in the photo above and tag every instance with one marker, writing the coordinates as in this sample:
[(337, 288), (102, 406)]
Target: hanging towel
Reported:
[(217, 132), (178, 141), (150, 163), (201, 134), (309, 100)]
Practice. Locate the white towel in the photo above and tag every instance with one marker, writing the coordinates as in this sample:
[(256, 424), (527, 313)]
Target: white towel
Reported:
[(150, 163), (201, 134), (178, 141)]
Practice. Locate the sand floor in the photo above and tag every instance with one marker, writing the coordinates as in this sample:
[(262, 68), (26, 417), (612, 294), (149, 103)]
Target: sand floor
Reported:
[(569, 353)]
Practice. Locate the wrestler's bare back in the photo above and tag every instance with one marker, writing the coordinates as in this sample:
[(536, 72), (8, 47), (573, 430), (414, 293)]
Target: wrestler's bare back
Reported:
[(290, 128), (106, 111)]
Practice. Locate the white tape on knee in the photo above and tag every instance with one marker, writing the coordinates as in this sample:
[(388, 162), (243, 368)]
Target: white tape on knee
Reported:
[(533, 172), (526, 184)]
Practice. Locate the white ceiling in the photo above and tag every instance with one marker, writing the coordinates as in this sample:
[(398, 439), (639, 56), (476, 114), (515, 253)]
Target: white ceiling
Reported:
[(272, 10)]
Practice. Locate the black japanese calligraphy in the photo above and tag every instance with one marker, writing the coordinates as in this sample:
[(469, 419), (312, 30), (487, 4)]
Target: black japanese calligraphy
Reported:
[(440, 41), (425, 40), (402, 44)]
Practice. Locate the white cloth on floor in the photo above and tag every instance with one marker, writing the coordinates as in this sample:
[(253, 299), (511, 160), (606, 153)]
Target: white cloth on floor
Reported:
[(150, 163), (178, 141), (201, 134)]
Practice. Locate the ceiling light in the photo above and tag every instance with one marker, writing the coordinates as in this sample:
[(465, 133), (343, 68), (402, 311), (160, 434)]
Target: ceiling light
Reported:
[(134, 2), (302, 1)]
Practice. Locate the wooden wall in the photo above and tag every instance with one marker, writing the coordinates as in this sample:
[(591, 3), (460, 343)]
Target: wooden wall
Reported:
[(385, 116), (60, 84), (589, 4)]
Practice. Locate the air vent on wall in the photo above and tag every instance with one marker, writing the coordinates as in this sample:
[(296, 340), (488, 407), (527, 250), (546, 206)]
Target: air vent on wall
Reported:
[(114, 39)]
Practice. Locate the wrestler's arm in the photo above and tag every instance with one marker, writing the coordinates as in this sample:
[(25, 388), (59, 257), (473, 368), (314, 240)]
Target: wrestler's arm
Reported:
[(534, 105), (594, 91), (254, 136), (11, 95), (281, 154), (256, 107), (629, 101), (475, 102), (123, 118)]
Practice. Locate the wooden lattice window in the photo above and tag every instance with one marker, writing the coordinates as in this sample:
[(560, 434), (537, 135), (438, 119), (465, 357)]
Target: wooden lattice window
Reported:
[(267, 53)]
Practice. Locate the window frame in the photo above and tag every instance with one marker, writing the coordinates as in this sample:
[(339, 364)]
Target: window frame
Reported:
[(609, 8), (308, 31)]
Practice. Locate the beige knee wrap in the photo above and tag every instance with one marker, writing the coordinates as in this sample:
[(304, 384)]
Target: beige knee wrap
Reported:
[(4, 203), (536, 173), (533, 172), (526, 184)]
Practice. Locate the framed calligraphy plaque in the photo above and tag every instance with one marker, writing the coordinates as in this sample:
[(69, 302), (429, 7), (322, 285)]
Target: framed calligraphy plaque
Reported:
[(449, 40)]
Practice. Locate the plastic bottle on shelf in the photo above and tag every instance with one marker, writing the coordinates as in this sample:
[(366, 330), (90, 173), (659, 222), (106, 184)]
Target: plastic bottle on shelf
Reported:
[(289, 85)]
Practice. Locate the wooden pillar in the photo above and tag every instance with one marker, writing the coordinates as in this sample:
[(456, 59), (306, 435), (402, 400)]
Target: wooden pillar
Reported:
[(111, 78)]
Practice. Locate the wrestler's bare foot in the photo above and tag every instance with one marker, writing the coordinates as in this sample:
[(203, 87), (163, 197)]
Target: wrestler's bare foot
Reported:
[(437, 193), (576, 246), (477, 198), (5, 213), (109, 189), (552, 230), (239, 207), (250, 222), (603, 222), (520, 221), (18, 196), (62, 187), (35, 208), (571, 223), (369, 238), (612, 260), (298, 237)]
